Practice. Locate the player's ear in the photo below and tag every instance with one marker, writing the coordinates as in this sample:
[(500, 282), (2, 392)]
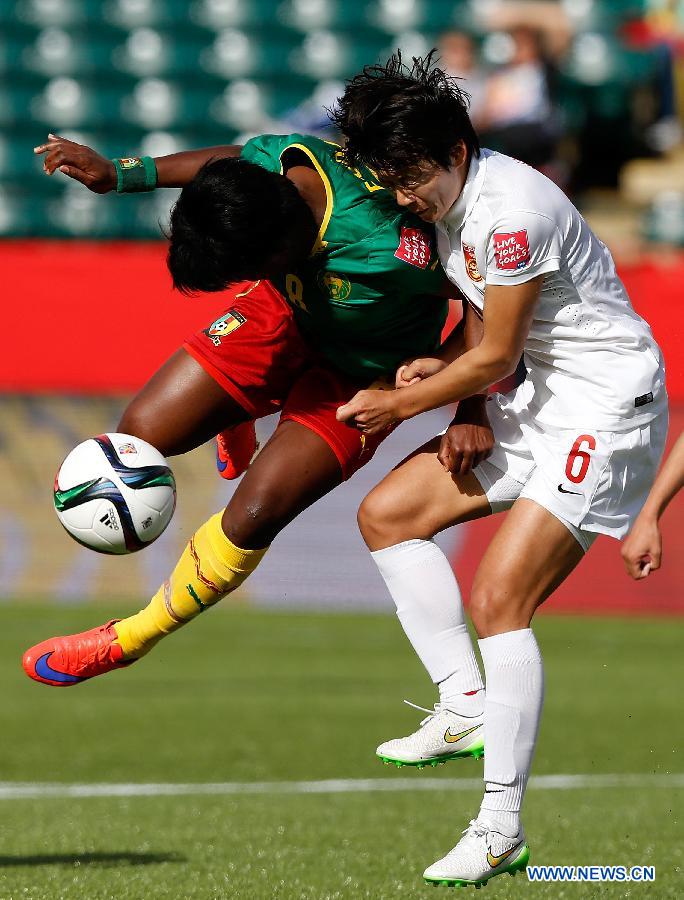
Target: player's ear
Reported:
[(459, 154)]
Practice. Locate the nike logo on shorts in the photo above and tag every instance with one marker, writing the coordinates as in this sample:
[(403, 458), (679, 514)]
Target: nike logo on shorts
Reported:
[(564, 491)]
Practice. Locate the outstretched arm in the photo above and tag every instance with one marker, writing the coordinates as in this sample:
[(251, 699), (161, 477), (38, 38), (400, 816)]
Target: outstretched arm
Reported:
[(642, 549), (98, 173)]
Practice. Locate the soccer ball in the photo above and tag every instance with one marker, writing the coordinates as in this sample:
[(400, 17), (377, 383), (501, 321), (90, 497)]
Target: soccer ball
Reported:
[(115, 493)]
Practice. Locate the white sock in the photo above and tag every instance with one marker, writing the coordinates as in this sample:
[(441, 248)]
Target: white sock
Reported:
[(514, 673), (424, 589)]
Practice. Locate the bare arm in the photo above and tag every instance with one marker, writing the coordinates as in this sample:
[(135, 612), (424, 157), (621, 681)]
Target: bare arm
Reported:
[(469, 438), (98, 174), (178, 169), (642, 549), (669, 482), (509, 310), (507, 319)]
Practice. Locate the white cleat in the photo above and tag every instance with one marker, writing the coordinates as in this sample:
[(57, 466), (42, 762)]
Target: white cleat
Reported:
[(443, 735), (481, 854)]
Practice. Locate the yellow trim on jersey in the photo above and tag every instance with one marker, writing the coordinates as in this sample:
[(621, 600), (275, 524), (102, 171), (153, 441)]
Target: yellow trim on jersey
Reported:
[(319, 243), (248, 290)]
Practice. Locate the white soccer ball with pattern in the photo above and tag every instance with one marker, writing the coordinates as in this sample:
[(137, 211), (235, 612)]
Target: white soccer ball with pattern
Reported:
[(115, 493)]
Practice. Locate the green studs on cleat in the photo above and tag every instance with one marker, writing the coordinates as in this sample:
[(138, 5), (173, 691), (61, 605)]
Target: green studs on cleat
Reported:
[(476, 752), (519, 864)]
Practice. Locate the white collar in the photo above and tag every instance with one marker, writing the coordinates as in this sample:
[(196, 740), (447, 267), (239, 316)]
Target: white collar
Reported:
[(459, 212)]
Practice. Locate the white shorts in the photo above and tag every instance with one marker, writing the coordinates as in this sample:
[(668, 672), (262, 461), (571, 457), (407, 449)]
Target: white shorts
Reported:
[(593, 481)]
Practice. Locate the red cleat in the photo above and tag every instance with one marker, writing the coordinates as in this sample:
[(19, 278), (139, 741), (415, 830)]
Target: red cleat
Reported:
[(63, 661), (235, 449)]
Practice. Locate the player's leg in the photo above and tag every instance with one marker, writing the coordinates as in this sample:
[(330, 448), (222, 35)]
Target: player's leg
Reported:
[(398, 519), (539, 544), (295, 468), (516, 575), (242, 366), (309, 454), (180, 407)]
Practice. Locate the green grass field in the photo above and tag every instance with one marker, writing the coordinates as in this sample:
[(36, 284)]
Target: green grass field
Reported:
[(243, 696)]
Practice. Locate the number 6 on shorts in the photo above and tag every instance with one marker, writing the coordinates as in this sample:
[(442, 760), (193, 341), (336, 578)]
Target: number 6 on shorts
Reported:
[(583, 455)]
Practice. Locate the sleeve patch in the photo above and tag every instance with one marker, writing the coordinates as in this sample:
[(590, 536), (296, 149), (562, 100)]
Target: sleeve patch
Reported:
[(511, 250), (414, 247)]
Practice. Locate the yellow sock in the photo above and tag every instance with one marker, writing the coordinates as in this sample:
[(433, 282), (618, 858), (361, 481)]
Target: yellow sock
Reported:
[(211, 567)]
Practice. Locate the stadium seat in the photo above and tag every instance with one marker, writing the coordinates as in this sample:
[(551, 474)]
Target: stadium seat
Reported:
[(337, 54), (149, 51), (47, 13), (219, 14), (59, 51), (131, 14), (66, 102), (152, 103), (310, 15), (236, 53), (664, 220), (394, 16)]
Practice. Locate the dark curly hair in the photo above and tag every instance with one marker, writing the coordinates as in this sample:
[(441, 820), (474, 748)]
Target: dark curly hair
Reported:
[(236, 221), (396, 118)]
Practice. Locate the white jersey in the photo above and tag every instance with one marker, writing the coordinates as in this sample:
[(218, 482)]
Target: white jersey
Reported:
[(591, 360)]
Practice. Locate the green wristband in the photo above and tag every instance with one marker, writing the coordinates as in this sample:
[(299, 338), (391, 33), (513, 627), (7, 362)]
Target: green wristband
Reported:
[(134, 174)]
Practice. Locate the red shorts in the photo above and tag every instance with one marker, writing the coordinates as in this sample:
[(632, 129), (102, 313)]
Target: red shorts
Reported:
[(257, 354)]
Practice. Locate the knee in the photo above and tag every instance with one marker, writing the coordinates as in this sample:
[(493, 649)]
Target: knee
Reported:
[(254, 522), (381, 520), (495, 609)]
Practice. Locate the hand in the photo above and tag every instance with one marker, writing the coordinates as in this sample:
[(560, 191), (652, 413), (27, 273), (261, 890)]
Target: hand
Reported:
[(642, 549), (79, 162), (418, 369), (370, 411), (469, 439)]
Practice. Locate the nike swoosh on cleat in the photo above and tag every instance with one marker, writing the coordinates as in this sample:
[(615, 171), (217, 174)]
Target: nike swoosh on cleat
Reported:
[(220, 464), (452, 738), (494, 861), (44, 670), (564, 491)]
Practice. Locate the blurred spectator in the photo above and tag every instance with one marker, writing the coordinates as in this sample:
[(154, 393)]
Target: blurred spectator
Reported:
[(458, 57), (518, 116), (308, 117), (661, 30), (311, 116)]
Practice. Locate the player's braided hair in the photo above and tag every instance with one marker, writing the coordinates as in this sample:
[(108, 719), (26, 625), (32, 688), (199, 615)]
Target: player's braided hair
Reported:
[(397, 117)]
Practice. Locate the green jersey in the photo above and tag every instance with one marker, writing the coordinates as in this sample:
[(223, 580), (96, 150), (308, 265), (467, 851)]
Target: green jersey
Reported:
[(372, 291)]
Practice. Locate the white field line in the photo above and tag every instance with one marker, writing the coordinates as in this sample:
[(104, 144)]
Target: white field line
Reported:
[(18, 790)]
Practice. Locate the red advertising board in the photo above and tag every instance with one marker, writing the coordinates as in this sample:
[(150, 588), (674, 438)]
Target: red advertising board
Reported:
[(88, 317)]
